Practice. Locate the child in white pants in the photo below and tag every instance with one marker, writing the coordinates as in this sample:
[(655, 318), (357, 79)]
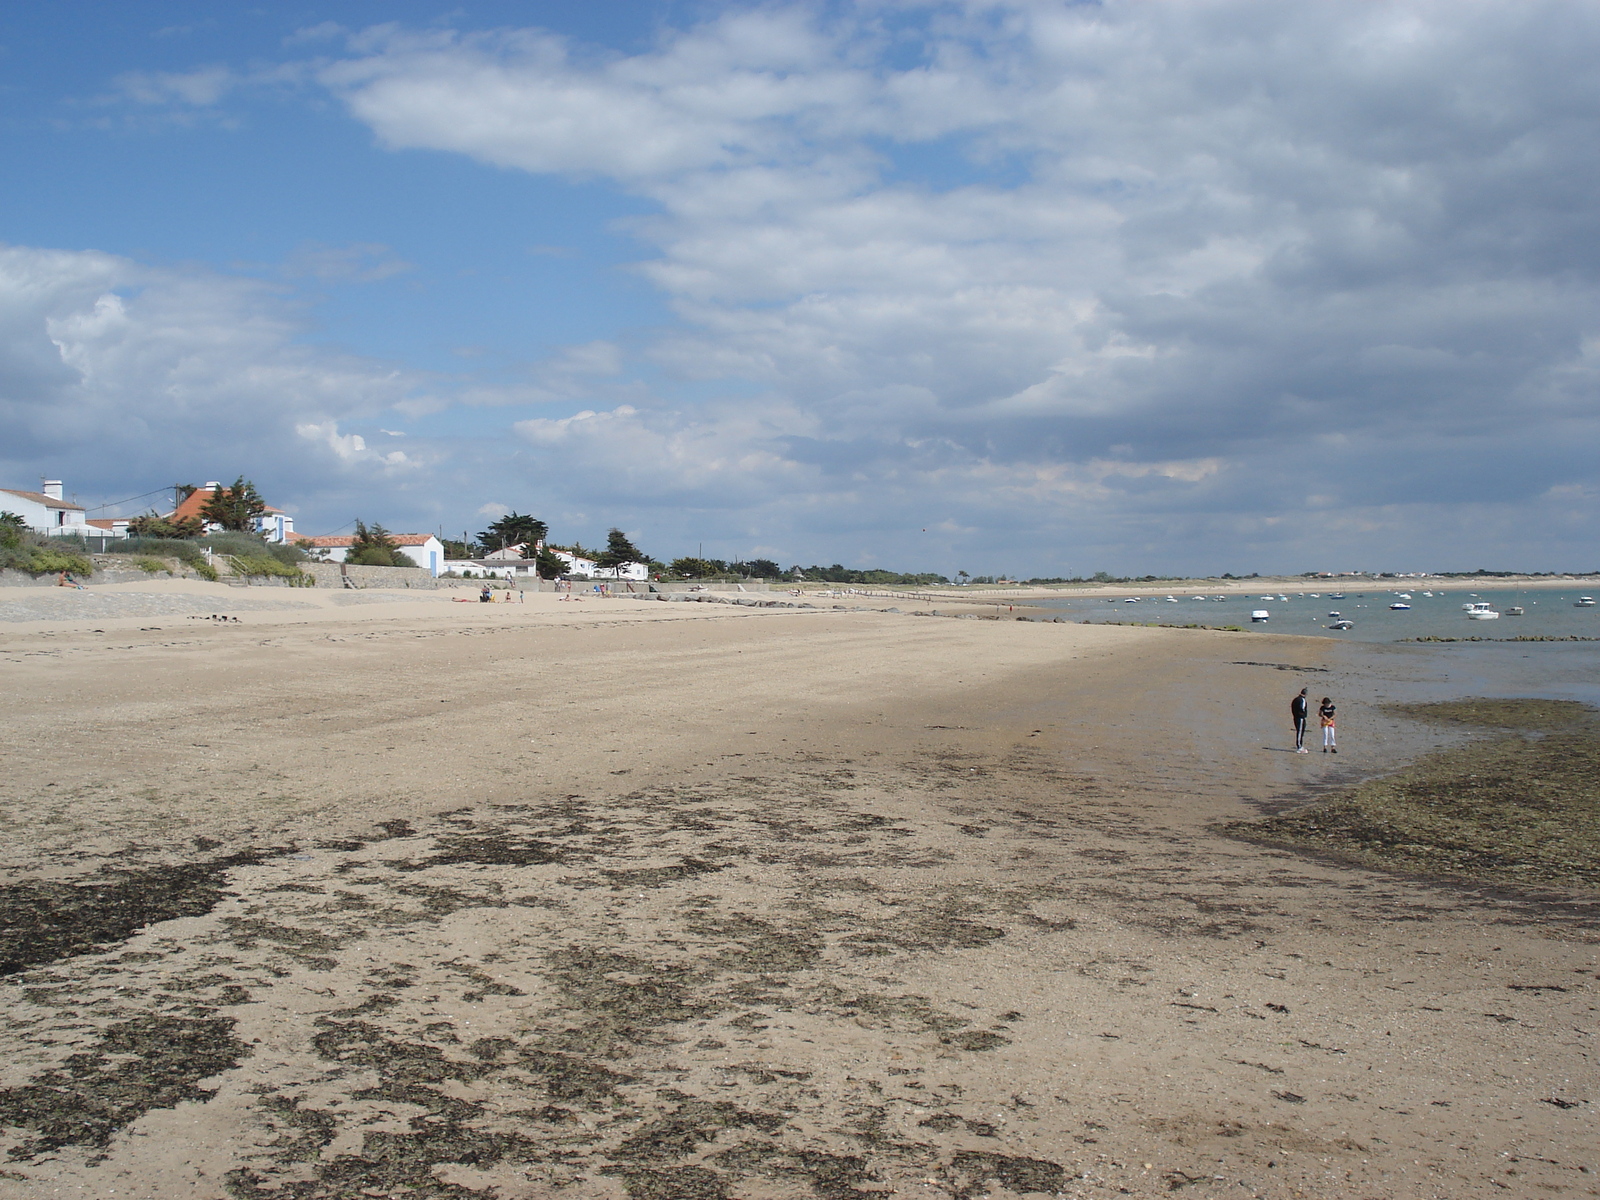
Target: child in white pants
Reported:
[(1325, 711)]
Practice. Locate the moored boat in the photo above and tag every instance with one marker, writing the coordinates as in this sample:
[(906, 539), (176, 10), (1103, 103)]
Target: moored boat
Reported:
[(1342, 625), (1583, 602), (1260, 614), (1482, 611), (1514, 611), (1400, 607)]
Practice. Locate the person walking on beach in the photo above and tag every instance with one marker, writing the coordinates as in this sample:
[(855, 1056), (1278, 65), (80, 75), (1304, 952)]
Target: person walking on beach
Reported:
[(1325, 711), (1299, 709)]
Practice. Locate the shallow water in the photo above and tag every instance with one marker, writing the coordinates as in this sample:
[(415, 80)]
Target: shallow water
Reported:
[(1550, 612)]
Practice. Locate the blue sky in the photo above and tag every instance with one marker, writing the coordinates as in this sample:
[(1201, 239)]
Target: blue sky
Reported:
[(1011, 286)]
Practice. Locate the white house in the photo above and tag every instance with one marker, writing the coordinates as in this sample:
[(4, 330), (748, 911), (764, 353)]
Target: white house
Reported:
[(586, 567), (45, 511), (633, 570), (423, 549)]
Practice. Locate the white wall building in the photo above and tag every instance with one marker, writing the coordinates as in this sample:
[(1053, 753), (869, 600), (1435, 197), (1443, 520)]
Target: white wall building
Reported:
[(45, 510), (423, 549)]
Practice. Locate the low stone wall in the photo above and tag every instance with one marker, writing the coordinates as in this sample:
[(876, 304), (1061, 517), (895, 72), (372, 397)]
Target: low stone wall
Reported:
[(108, 568), (333, 575)]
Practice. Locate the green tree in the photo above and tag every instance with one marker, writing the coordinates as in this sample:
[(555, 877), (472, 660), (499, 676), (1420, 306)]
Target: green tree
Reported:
[(460, 550), (12, 527), (513, 529), (693, 568), (374, 547), (619, 550), (153, 525), (235, 508), (548, 566), (756, 568)]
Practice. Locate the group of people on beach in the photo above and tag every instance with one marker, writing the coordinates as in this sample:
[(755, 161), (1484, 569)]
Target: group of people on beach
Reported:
[(1300, 711)]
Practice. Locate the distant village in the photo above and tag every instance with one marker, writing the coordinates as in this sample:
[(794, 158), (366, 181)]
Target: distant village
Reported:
[(214, 507)]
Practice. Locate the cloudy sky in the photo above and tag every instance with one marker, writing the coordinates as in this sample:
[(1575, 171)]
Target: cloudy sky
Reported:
[(1032, 287)]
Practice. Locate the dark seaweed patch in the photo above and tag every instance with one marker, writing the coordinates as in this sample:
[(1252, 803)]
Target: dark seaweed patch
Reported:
[(680, 1133), (970, 1170), (495, 848), (138, 1065), (1493, 713), (1511, 811), (41, 922), (687, 868)]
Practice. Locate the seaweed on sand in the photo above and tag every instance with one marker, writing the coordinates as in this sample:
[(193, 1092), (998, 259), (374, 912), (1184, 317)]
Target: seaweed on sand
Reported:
[(148, 1062), (44, 921), (1520, 810)]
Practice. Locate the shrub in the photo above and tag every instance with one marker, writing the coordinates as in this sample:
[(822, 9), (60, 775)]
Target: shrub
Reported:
[(150, 566), (267, 564)]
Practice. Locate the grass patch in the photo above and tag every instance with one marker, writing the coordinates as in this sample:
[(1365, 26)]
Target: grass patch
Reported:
[(1522, 809)]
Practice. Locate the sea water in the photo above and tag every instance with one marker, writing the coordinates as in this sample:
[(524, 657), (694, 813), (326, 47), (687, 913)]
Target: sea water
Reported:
[(1549, 612)]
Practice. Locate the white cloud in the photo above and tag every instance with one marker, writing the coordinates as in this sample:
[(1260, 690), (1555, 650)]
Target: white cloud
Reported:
[(1204, 234), (128, 374)]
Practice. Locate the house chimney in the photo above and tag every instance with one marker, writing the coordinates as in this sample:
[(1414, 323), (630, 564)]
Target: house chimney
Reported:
[(211, 486), (51, 488)]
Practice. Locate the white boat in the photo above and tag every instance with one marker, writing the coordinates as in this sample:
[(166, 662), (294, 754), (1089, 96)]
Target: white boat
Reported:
[(1335, 595), (1513, 611), (1583, 602), (1334, 615), (1400, 607), (1342, 625), (1171, 600), (1482, 611), (1260, 614), (1405, 595)]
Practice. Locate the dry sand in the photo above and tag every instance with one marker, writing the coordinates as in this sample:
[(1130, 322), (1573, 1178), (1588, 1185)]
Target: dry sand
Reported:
[(391, 896)]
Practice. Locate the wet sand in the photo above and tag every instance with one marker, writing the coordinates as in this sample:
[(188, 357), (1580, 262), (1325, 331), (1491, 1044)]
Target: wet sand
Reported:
[(679, 901)]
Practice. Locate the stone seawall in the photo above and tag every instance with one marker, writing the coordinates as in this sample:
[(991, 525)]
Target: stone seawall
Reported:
[(334, 575)]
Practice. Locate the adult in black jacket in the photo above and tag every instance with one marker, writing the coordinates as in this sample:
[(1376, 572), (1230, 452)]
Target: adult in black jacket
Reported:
[(1299, 709)]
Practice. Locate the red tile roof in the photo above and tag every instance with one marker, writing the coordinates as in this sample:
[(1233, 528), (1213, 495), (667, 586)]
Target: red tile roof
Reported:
[(334, 541), (41, 498)]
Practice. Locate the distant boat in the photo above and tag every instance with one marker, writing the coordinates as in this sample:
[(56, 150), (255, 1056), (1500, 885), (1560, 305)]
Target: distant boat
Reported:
[(1405, 595), (1171, 600), (1482, 611), (1342, 625), (1400, 607), (1335, 595), (1260, 614), (1583, 602), (1513, 611), (1131, 600), (1334, 615)]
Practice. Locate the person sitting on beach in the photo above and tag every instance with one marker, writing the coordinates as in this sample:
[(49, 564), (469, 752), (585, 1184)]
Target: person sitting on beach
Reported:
[(1325, 711), (1299, 709), (487, 595)]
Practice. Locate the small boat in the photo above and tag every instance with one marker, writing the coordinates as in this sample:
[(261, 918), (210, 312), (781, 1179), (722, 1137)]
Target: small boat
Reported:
[(1335, 595), (1260, 614), (1171, 600), (1342, 625), (1131, 600), (1400, 608), (1482, 611), (1583, 602), (1285, 599), (1405, 595), (1513, 611), (1334, 615)]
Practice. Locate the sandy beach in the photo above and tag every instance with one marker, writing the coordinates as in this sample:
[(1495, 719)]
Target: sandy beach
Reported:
[(380, 894)]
